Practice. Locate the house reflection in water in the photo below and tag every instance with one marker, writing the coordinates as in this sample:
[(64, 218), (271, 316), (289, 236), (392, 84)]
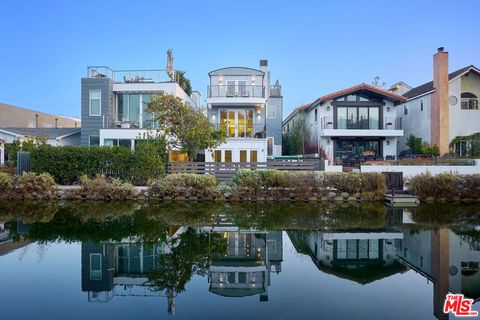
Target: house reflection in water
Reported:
[(120, 269), (244, 267), (362, 257), (448, 259)]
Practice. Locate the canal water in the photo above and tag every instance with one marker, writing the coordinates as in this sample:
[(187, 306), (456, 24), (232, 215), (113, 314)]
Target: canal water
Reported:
[(213, 261)]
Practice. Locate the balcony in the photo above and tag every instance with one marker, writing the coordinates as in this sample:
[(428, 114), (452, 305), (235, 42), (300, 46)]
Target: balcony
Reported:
[(256, 130), (392, 127), (128, 76), (236, 91), (110, 121)]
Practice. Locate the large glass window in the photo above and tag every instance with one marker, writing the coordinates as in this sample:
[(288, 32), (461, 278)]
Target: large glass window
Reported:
[(374, 118), (131, 111), (95, 266), (358, 118), (95, 102), (356, 149)]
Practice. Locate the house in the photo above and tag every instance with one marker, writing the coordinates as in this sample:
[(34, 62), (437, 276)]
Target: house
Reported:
[(51, 136), (352, 125), (243, 103), (447, 258), (362, 257), (114, 102), (245, 268), (18, 117), (443, 109)]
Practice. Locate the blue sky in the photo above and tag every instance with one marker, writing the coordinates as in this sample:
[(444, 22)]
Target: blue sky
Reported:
[(313, 47)]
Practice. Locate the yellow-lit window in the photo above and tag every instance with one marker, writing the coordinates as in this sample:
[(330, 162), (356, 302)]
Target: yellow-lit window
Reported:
[(228, 155), (253, 155), (243, 155)]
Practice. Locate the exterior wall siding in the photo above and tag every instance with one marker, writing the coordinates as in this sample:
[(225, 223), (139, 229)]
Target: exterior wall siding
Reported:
[(92, 124)]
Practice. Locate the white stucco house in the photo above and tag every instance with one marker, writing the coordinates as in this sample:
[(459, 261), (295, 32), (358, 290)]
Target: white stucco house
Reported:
[(243, 103), (443, 109), (352, 125)]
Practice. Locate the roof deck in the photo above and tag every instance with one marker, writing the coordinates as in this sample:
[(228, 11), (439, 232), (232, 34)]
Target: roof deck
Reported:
[(129, 76)]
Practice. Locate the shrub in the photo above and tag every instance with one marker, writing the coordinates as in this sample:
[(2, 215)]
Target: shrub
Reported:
[(28, 186), (275, 183), (185, 184), (103, 188), (67, 164), (446, 186), (369, 184)]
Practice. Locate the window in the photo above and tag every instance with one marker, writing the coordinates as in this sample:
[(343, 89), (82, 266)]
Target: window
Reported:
[(228, 156), (94, 141), (271, 111), (242, 88), (405, 110), (358, 118), (95, 102), (217, 156), (230, 88), (316, 114), (288, 127), (421, 105), (95, 266), (243, 155), (253, 155), (270, 146), (469, 101)]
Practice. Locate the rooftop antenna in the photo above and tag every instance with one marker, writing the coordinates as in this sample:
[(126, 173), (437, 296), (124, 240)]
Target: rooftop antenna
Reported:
[(170, 71), (376, 82)]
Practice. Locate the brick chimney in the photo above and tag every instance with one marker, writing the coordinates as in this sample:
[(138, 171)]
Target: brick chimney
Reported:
[(439, 115)]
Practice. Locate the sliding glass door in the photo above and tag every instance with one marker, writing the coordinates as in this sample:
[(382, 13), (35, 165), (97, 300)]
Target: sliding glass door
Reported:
[(237, 123)]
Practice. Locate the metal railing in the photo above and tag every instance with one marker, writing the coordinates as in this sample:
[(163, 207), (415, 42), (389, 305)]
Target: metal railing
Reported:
[(256, 130), (225, 171), (239, 91), (128, 76), (110, 121), (389, 123)]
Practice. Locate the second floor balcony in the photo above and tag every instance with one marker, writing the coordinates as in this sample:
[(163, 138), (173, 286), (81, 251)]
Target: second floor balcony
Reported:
[(242, 130), (388, 126), (236, 91)]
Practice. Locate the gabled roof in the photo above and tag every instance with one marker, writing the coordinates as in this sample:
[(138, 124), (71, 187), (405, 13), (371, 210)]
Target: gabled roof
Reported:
[(50, 133), (428, 87), (303, 107), (362, 86)]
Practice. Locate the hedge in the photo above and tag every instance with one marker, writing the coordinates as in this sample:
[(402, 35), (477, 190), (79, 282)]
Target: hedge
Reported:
[(274, 183), (67, 164), (445, 186)]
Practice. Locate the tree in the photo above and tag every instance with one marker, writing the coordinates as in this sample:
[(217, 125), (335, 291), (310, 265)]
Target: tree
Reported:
[(149, 159), (297, 141), (186, 128), (183, 81), (415, 144)]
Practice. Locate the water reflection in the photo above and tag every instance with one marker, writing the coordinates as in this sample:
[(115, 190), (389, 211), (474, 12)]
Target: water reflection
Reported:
[(146, 251)]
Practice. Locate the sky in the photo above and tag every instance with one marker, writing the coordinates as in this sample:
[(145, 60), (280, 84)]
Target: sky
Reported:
[(313, 47)]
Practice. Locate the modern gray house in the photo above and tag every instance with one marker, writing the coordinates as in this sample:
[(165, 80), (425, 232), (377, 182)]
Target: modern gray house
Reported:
[(243, 102), (113, 103)]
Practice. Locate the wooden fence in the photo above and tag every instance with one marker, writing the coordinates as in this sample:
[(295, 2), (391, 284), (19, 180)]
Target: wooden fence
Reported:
[(224, 171)]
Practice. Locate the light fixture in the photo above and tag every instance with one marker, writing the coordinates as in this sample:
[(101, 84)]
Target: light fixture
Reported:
[(328, 141), (388, 142), (388, 109), (213, 117), (328, 108)]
